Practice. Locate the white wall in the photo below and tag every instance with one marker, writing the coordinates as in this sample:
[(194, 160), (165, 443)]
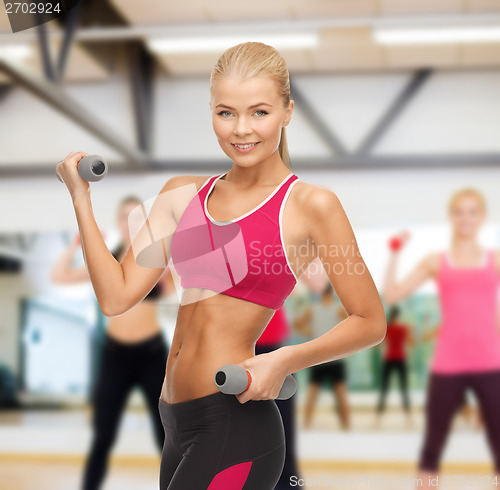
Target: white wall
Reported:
[(454, 112)]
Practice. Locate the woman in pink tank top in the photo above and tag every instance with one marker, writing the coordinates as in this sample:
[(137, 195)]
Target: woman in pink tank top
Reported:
[(467, 353)]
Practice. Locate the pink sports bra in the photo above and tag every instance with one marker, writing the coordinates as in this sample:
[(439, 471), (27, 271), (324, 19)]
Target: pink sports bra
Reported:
[(244, 258)]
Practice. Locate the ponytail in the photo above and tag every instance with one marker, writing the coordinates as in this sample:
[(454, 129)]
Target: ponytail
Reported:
[(283, 149)]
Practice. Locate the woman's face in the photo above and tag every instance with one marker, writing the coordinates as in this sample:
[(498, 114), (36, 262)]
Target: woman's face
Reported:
[(466, 216), (248, 112)]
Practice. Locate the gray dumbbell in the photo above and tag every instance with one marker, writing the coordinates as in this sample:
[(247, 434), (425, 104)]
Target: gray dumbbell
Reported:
[(232, 379), (91, 168)]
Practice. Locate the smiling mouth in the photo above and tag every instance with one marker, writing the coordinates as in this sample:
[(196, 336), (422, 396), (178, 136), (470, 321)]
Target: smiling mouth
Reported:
[(248, 145)]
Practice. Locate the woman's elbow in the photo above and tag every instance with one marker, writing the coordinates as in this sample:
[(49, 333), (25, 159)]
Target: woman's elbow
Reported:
[(106, 310), (379, 328), (113, 308), (375, 327)]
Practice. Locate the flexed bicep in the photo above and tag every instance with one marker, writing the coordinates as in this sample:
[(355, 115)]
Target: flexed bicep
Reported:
[(152, 225)]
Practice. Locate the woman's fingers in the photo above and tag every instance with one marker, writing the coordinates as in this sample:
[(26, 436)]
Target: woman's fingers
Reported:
[(67, 170)]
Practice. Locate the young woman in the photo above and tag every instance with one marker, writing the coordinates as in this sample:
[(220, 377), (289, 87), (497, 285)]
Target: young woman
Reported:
[(468, 343), (134, 353), (238, 250)]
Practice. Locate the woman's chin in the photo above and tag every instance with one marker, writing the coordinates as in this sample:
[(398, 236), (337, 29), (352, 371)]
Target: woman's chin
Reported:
[(243, 162)]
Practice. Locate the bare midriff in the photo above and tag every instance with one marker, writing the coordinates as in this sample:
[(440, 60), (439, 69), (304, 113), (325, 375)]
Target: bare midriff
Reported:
[(138, 323), (210, 333)]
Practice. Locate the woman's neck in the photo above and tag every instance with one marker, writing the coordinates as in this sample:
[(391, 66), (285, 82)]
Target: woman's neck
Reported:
[(465, 244), (263, 172)]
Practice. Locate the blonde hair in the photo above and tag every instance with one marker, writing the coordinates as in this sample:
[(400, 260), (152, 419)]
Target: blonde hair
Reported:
[(467, 192), (253, 59)]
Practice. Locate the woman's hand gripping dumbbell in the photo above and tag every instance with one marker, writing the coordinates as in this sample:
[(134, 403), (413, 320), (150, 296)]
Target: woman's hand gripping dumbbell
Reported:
[(91, 168), (234, 380)]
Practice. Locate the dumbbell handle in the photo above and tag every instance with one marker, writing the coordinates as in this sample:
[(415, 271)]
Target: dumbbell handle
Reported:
[(234, 380), (91, 168)]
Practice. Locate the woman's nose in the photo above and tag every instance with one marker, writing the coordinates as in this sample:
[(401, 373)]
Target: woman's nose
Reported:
[(242, 126)]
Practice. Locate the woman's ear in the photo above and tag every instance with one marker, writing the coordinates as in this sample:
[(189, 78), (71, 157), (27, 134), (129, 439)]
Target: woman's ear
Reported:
[(288, 113)]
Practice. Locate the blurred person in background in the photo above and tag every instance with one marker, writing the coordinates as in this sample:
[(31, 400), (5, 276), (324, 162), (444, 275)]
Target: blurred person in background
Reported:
[(398, 335), (134, 353), (467, 353), (314, 322), (275, 336)]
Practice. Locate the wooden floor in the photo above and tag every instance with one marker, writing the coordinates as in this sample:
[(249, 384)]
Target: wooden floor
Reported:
[(26, 471), (66, 476)]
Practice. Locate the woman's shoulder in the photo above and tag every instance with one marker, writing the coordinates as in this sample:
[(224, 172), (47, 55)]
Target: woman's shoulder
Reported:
[(175, 196), (315, 198), (313, 207), (182, 180)]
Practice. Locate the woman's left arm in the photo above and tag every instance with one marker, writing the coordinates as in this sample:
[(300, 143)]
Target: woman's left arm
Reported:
[(335, 244)]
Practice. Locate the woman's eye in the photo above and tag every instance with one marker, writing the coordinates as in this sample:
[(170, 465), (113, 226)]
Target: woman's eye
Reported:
[(223, 112), (262, 113)]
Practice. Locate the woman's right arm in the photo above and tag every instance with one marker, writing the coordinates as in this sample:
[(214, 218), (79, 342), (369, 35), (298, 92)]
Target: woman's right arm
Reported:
[(120, 286), (392, 291)]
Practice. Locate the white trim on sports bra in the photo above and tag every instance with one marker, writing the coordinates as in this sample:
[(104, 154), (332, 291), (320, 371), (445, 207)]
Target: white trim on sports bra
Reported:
[(222, 223), (282, 207)]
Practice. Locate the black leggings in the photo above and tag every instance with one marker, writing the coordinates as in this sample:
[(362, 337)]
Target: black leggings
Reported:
[(217, 443), (401, 369), (123, 366), (445, 397)]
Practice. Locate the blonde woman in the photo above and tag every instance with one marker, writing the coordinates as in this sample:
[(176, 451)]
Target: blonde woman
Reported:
[(239, 245), (467, 352)]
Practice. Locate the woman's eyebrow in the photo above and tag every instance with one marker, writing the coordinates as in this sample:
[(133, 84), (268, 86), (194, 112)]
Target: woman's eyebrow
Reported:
[(251, 107)]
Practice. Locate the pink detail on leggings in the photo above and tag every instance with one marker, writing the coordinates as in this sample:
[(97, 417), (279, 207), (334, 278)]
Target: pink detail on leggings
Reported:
[(232, 478)]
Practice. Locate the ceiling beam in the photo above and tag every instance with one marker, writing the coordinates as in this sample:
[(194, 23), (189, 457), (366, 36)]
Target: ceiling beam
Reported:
[(55, 96), (378, 162), (395, 109), (45, 55), (70, 21), (5, 90), (141, 72), (323, 130)]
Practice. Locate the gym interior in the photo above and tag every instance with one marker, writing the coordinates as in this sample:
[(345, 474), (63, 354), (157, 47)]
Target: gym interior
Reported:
[(396, 108)]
